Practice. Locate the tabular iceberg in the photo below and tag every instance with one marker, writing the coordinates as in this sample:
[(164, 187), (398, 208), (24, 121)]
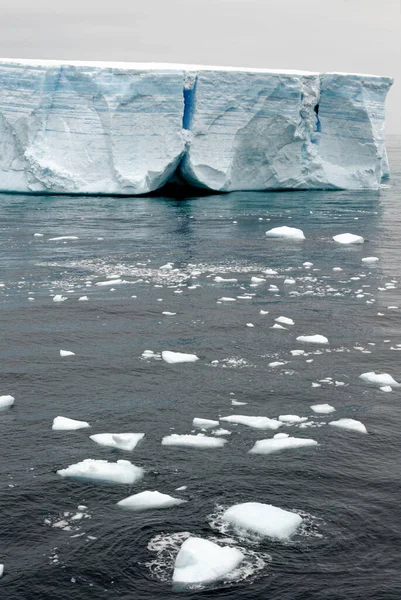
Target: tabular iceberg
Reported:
[(129, 128)]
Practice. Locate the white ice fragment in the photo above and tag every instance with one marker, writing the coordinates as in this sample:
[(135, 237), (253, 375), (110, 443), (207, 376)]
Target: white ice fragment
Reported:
[(278, 326), (337, 269), (348, 238), (63, 237), (121, 472), (350, 424), (66, 424), (178, 357), (289, 233), (386, 388), (193, 441), (38, 235), (263, 519), (313, 339), (263, 312), (149, 500), (323, 408), (200, 561), (168, 314), (284, 320), (277, 445), (379, 378), (221, 431), (110, 282), (289, 281), (297, 352), (280, 436), (292, 419), (59, 298), (83, 299), (181, 488), (369, 260), (205, 423), (255, 422), (148, 354), (270, 272), (276, 363), (1, 570), (307, 264), (250, 325), (66, 353), (238, 403), (227, 299), (258, 280), (167, 267), (6, 401), (121, 441), (224, 280)]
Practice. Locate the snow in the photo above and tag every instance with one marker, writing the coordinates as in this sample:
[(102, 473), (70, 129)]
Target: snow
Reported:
[(350, 424), (205, 423), (178, 357), (323, 408), (284, 320), (6, 401), (66, 353), (348, 238), (202, 561), (149, 500), (121, 441), (121, 472), (287, 233), (278, 444), (255, 422), (292, 419), (379, 379), (263, 519), (66, 424), (370, 260), (313, 339), (193, 441)]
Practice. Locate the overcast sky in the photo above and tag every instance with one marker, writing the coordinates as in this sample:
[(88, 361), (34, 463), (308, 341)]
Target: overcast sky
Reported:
[(317, 35)]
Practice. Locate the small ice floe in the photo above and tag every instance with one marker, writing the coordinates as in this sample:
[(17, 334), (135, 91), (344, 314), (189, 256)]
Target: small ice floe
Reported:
[(278, 326), (263, 312), (280, 436), (263, 520), (181, 488), (204, 423), (227, 299), (369, 260), (166, 313), (200, 561), (83, 299), (221, 431), (348, 238), (178, 357), (38, 235), (66, 424), (167, 267), (223, 280), (284, 320), (66, 353), (6, 401), (288, 233), (323, 408), (313, 339), (59, 298), (149, 500), (193, 441), (292, 419), (379, 379), (255, 422), (289, 281), (121, 472), (250, 325), (258, 280), (62, 238), (350, 424), (120, 441), (270, 272), (307, 264), (386, 388), (110, 282), (337, 269), (1, 570), (238, 403), (278, 444), (276, 363), (297, 352)]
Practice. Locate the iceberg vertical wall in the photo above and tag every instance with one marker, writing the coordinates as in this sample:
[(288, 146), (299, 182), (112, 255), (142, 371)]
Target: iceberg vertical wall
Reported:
[(122, 128)]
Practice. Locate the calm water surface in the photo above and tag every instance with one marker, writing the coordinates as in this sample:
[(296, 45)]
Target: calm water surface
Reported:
[(347, 489)]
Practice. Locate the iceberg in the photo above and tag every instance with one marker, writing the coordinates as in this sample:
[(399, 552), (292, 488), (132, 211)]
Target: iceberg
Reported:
[(263, 519), (200, 561), (129, 128)]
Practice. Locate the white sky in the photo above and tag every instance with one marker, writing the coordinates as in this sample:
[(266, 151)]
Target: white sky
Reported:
[(317, 35)]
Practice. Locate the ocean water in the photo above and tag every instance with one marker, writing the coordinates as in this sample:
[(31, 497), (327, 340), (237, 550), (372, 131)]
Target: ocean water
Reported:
[(347, 488)]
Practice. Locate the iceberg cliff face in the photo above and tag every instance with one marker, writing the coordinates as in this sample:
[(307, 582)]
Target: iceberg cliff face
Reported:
[(122, 128)]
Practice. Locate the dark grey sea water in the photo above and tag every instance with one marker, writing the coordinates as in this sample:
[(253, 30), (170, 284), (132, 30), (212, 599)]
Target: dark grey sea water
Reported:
[(347, 488)]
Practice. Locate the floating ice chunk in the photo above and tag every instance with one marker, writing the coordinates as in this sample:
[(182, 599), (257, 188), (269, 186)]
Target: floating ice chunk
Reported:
[(66, 353), (193, 441), (337, 269), (284, 320), (255, 422), (263, 312), (238, 403), (280, 436), (289, 233), (149, 500), (379, 378), (263, 519), (292, 419), (148, 354), (89, 469), (83, 299), (178, 357), (278, 326), (1, 570), (38, 235), (307, 264), (348, 238), (224, 280), (313, 339), (289, 281), (350, 424), (270, 272), (369, 260), (167, 267), (66, 424), (297, 352), (59, 298), (323, 408), (386, 388), (250, 325), (258, 280), (168, 314), (277, 445), (205, 423), (181, 488), (276, 363), (121, 441), (6, 401), (201, 561), (221, 431), (111, 282), (227, 299), (63, 237)]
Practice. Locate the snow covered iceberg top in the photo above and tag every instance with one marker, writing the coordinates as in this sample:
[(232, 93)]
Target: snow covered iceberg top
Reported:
[(128, 128)]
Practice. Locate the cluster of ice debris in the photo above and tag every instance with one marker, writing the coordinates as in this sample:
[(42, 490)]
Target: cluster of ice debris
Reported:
[(129, 128)]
